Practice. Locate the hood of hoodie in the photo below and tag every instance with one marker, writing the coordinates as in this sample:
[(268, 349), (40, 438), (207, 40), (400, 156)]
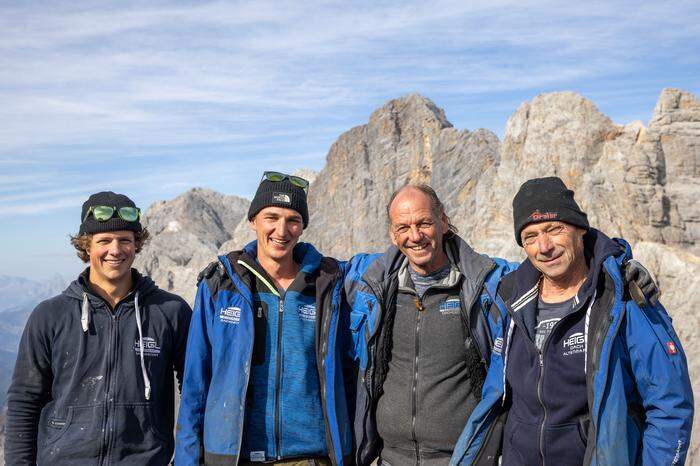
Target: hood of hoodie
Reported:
[(142, 284)]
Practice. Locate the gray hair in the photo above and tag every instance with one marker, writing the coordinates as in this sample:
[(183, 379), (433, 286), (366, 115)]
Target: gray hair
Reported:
[(437, 207)]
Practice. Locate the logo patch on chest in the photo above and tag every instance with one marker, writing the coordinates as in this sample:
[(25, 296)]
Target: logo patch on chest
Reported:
[(450, 306), (498, 345), (230, 315), (307, 312), (574, 344), (150, 347)]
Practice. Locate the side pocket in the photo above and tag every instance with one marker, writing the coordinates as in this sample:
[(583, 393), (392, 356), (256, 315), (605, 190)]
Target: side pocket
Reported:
[(141, 433), (54, 428), (492, 446), (78, 440)]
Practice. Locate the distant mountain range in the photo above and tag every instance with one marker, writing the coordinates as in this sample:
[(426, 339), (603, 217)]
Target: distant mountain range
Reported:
[(18, 297)]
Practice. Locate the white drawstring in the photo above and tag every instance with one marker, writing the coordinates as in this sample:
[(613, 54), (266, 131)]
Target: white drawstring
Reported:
[(585, 332), (85, 314), (146, 380)]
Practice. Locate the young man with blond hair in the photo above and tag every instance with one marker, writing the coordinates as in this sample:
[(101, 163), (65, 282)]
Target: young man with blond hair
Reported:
[(93, 383)]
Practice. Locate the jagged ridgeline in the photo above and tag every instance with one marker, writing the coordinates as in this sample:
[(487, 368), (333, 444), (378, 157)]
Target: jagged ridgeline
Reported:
[(635, 181)]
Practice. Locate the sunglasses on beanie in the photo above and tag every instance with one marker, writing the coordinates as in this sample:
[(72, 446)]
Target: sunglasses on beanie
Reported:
[(102, 213), (276, 177)]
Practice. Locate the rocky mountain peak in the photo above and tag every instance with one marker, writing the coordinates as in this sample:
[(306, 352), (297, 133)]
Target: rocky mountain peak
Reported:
[(675, 106), (185, 235)]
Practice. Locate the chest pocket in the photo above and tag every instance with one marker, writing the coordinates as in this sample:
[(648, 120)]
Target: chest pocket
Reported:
[(261, 325)]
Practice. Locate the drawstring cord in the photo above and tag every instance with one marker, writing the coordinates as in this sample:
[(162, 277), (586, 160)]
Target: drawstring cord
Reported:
[(146, 380), (85, 320), (85, 314)]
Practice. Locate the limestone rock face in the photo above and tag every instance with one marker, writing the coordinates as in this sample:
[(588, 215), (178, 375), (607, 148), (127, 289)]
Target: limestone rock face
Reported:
[(675, 124), (186, 233), (407, 140)]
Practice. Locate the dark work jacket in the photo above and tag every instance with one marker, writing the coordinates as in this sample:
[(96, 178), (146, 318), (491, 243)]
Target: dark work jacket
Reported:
[(78, 396)]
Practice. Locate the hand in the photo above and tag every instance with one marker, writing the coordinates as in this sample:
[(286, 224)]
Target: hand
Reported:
[(640, 283)]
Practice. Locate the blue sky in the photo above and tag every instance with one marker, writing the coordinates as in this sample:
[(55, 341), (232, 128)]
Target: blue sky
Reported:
[(152, 98)]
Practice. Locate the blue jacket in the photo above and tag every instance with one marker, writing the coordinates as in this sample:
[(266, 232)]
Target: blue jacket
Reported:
[(371, 287), (639, 396), (219, 356)]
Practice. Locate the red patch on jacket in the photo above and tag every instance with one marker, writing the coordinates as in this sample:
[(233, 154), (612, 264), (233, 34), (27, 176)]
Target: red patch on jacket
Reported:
[(671, 348)]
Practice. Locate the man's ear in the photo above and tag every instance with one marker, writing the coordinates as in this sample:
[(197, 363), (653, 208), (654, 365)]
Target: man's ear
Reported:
[(393, 237), (251, 224), (445, 222)]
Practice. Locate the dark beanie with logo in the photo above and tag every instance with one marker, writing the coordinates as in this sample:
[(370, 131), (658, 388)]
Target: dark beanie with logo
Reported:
[(279, 194), (90, 225), (546, 200)]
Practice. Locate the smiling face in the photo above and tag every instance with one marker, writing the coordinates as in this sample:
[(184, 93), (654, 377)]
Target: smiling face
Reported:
[(277, 230), (417, 230), (554, 248), (111, 255)]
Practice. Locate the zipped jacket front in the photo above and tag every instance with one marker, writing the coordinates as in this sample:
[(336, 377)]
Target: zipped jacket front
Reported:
[(638, 392), (80, 393), (219, 359)]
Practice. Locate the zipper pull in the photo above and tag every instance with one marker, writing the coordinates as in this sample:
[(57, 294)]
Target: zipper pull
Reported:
[(541, 360), (281, 307), (418, 303), (259, 312)]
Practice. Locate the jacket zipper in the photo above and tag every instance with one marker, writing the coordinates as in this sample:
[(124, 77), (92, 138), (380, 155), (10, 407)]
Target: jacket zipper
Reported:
[(327, 307), (594, 419), (541, 377), (278, 377), (108, 422), (544, 407), (419, 309)]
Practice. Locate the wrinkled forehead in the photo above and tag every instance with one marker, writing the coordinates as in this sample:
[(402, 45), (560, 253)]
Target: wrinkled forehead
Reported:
[(411, 204)]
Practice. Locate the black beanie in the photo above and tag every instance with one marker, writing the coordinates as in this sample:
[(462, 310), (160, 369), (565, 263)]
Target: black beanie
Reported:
[(107, 198), (545, 200), (279, 194)]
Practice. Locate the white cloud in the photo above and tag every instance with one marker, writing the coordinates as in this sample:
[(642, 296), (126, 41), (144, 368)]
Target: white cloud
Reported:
[(95, 84)]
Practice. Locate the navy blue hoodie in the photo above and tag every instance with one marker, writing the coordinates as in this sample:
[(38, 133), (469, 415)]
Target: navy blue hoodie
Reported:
[(90, 386)]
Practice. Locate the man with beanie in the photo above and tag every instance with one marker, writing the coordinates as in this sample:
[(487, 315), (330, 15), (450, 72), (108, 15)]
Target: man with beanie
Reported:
[(93, 382), (585, 370), (264, 378)]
